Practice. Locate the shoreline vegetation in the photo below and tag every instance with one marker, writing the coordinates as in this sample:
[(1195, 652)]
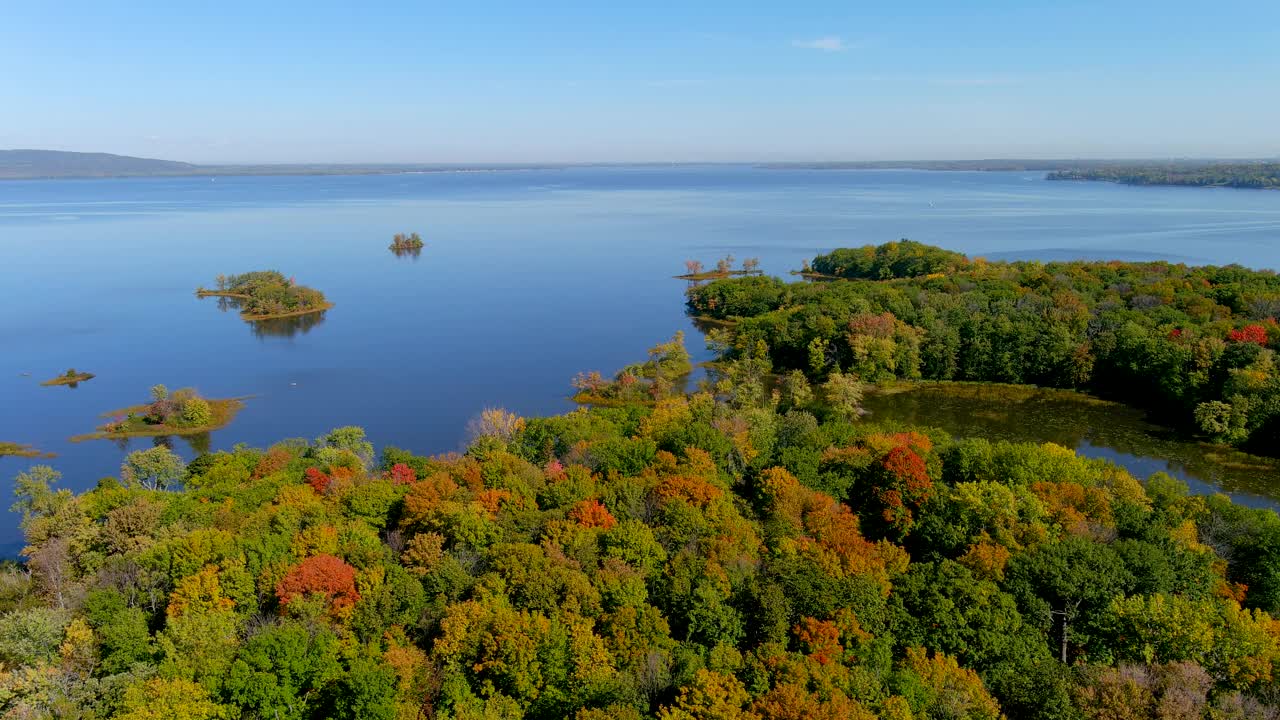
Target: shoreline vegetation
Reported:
[(71, 378), (695, 271), (267, 295), (182, 412), (738, 552), (668, 366), (1255, 175), (12, 449)]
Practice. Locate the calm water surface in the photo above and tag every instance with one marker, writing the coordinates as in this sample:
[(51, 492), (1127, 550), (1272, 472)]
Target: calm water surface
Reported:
[(527, 278)]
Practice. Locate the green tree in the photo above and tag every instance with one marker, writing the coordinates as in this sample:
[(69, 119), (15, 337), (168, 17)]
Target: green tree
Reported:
[(843, 395), (1068, 586), (170, 699), (350, 438), (35, 493), (31, 636), (280, 671), (366, 692), (196, 412), (157, 468)]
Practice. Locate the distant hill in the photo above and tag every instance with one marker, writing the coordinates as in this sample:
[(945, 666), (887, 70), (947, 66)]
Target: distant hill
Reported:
[(37, 164), (59, 164)]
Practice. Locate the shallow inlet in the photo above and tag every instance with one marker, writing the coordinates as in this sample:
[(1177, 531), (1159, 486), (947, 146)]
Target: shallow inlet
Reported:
[(1092, 427)]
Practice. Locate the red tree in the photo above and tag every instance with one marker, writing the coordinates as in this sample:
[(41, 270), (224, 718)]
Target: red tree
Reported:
[(1255, 334), (591, 513), (318, 480), (905, 486), (323, 574), (402, 474)]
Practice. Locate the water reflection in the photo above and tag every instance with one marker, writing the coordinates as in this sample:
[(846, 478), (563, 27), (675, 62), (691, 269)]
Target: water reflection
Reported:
[(1092, 427), (198, 443), (226, 304), (409, 252), (287, 327)]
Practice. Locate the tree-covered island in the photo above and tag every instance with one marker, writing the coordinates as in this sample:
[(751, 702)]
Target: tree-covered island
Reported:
[(410, 241), (181, 412), (266, 295)]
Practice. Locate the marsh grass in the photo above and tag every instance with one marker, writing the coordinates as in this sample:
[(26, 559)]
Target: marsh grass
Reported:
[(71, 378), (12, 449)]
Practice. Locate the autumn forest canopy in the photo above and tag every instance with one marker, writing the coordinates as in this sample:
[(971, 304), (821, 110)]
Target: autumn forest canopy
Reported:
[(755, 548)]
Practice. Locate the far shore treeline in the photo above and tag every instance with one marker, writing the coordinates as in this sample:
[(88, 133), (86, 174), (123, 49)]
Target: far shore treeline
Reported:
[(1258, 175)]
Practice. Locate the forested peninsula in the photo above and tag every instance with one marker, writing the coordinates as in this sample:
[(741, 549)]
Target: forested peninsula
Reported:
[(1196, 346), (1260, 175), (753, 550)]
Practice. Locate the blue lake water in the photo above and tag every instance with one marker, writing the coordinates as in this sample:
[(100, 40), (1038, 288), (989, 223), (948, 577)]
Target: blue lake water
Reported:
[(527, 278)]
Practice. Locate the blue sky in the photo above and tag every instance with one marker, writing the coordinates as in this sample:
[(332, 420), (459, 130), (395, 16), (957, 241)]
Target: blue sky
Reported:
[(487, 81)]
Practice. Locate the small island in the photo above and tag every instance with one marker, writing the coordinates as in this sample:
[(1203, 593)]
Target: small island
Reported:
[(71, 378), (1256, 175), (267, 295), (694, 269), (182, 412), (403, 245), (12, 449), (401, 241)]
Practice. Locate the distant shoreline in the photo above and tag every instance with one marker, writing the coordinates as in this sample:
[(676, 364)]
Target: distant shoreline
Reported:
[(60, 165)]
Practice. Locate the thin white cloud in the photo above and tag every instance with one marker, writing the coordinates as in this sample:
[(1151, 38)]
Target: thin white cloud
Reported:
[(826, 43), (675, 82), (975, 80)]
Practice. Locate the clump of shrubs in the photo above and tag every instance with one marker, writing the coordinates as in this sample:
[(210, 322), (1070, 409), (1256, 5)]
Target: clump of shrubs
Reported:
[(181, 408)]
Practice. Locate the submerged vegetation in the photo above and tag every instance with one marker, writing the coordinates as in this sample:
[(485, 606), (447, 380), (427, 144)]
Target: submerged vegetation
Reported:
[(182, 412), (1237, 175), (12, 449), (265, 295), (1196, 345), (750, 551), (71, 377)]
